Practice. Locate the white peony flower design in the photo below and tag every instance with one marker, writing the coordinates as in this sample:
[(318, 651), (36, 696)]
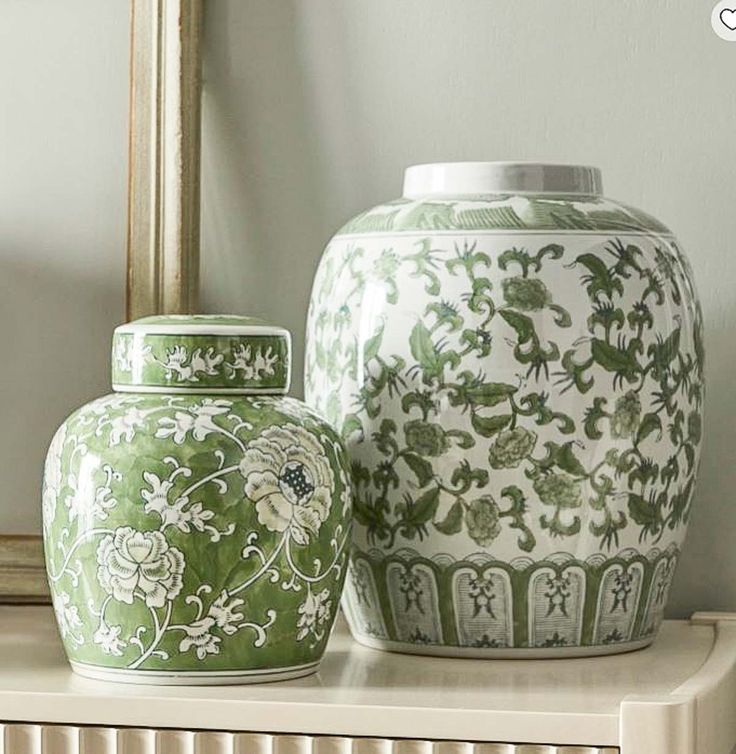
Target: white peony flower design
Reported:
[(52, 477), (252, 365), (108, 638), (139, 563), (199, 420), (314, 612), (67, 616), (199, 638), (88, 503), (125, 425), (222, 614), (225, 615), (289, 478), (121, 355), (183, 368), (157, 498), (102, 407), (178, 512)]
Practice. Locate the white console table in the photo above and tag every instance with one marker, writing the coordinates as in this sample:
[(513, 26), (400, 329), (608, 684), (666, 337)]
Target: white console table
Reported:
[(677, 697)]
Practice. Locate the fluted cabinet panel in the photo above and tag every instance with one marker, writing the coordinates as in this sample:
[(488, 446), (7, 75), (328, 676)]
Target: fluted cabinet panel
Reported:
[(93, 740), (23, 738), (216, 743), (456, 747)]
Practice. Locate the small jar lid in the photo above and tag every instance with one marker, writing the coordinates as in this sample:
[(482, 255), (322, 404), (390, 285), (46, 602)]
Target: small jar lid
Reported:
[(201, 353)]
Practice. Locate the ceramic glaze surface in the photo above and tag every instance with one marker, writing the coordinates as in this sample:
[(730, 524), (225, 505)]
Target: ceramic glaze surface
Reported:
[(519, 380), (194, 536)]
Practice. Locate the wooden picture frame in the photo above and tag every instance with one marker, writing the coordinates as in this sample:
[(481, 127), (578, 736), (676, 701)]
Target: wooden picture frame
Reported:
[(163, 207), (163, 177)]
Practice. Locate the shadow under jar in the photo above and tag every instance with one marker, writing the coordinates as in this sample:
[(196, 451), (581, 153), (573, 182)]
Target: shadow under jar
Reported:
[(516, 365)]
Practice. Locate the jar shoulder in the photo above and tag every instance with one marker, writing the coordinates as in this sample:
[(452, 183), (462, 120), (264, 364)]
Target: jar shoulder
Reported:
[(133, 414), (498, 212)]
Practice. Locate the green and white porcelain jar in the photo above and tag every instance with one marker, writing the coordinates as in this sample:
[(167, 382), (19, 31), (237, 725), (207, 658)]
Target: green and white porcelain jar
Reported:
[(516, 365), (196, 520)]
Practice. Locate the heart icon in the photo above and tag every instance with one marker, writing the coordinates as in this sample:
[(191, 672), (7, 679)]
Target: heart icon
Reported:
[(728, 18)]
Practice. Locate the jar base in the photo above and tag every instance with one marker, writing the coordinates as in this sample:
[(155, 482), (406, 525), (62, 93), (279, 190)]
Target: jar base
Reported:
[(192, 677), (510, 653)]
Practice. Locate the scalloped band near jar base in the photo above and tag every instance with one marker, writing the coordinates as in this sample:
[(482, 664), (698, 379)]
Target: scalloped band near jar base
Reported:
[(483, 607), (474, 653), (194, 677)]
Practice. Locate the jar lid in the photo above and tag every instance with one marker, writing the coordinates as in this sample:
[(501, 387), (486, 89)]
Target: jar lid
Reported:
[(201, 353)]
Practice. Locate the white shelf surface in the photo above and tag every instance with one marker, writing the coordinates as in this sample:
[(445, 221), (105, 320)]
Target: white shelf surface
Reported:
[(678, 696)]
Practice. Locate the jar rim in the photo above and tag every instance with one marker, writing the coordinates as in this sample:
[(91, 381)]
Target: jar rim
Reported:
[(472, 178)]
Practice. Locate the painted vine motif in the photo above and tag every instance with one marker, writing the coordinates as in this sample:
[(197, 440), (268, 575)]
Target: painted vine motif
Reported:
[(187, 528), (611, 328), (180, 360)]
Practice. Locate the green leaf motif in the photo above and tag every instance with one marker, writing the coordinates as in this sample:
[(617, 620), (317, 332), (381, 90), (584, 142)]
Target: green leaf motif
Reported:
[(600, 279), (649, 423), (464, 439), (690, 455), (465, 476), (452, 523), (422, 347), (424, 507), (480, 300), (518, 256), (370, 517), (372, 345), (350, 425), (614, 359), (592, 416), (664, 352), (421, 467), (446, 315), (516, 512), (488, 426), (429, 358), (551, 250), (574, 373), (536, 355), (522, 324), (490, 393), (567, 461), (644, 513), (562, 316)]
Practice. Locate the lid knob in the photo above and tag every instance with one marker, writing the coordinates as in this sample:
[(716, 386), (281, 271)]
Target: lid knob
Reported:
[(198, 353)]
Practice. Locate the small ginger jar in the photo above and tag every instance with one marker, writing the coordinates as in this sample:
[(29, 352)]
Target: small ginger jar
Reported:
[(516, 364), (196, 520)]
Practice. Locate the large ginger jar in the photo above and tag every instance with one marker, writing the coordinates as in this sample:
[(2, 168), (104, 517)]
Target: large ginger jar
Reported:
[(516, 365), (196, 520)]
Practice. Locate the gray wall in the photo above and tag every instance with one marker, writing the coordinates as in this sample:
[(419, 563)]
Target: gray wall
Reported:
[(312, 109), (63, 157)]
